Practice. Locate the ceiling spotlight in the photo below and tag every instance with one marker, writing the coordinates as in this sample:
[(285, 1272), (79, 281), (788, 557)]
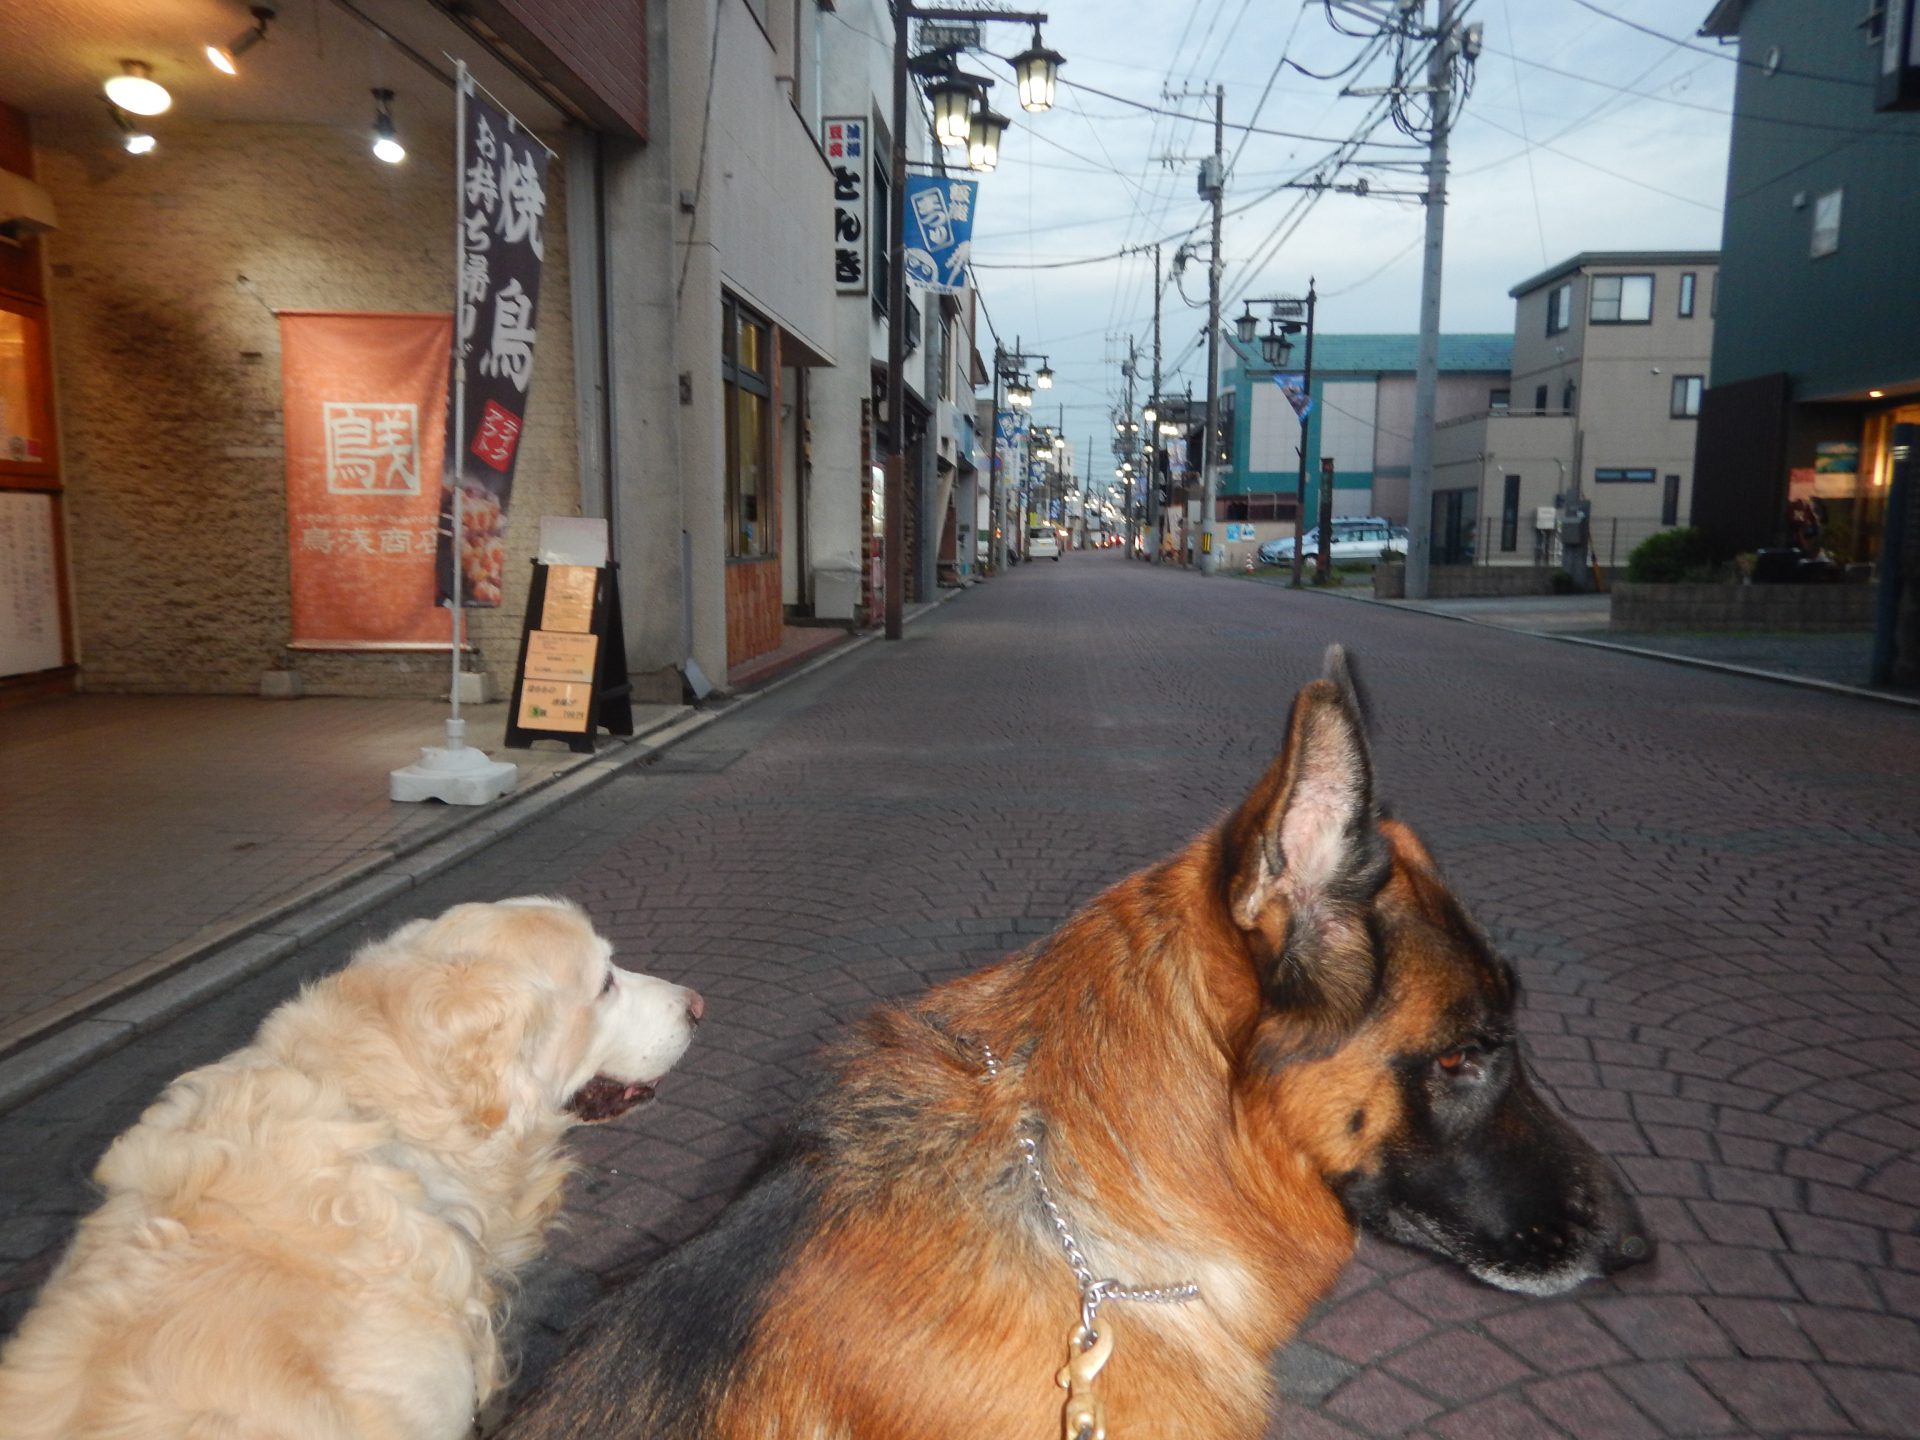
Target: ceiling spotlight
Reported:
[(226, 58), (134, 137), (385, 144), (1876, 394), (136, 91)]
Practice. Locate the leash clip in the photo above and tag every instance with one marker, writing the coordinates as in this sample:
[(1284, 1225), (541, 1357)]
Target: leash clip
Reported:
[(1083, 1417)]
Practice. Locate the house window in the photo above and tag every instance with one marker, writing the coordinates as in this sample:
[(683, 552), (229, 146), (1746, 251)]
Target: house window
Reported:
[(1566, 398), (1670, 502), (1539, 399), (1510, 513), (1826, 224), (1875, 21), (1686, 396), (746, 361), (1621, 300), (1623, 477), (1687, 281), (1559, 308)]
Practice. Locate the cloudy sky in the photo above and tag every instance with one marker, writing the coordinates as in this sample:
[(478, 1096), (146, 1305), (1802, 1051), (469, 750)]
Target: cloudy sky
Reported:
[(1580, 134)]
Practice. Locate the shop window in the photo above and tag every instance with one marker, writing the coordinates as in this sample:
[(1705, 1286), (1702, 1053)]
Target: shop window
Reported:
[(746, 386), (1559, 308), (1510, 513), (1621, 300), (1687, 283), (1686, 396), (1826, 224), (26, 422)]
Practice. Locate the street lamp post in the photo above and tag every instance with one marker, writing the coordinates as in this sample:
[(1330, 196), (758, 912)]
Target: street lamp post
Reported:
[(1290, 316), (1034, 69)]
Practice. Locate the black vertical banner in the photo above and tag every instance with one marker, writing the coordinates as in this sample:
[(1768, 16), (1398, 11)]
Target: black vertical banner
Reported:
[(503, 203)]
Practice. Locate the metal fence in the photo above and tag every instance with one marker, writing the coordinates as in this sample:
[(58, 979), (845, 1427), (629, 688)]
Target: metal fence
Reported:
[(1612, 540)]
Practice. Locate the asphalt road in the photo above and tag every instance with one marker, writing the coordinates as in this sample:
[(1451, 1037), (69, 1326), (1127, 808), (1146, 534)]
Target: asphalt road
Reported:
[(1707, 882)]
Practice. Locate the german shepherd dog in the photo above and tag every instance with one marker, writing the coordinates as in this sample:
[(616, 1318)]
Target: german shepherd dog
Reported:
[(1195, 1093)]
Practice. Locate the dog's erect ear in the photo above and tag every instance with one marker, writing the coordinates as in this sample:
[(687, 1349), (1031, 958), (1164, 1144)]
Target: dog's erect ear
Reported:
[(1304, 857)]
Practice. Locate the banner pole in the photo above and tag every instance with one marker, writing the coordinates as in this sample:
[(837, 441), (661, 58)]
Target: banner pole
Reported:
[(456, 728)]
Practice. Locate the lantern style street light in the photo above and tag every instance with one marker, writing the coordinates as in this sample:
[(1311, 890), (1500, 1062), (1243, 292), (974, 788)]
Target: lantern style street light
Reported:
[(983, 139), (1036, 69), (1290, 316), (1043, 377), (955, 125)]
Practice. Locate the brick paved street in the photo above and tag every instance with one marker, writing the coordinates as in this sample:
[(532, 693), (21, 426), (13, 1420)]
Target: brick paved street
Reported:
[(1707, 882)]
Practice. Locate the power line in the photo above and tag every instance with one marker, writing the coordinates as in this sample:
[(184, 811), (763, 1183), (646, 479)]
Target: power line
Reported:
[(1232, 125), (1681, 44), (1593, 165)]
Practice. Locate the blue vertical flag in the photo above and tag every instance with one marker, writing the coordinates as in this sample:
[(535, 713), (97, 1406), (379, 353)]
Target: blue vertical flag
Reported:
[(939, 235)]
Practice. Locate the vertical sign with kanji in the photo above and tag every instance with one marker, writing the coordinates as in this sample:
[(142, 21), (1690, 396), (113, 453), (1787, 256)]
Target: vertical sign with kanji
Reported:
[(503, 203), (845, 141), (939, 231)]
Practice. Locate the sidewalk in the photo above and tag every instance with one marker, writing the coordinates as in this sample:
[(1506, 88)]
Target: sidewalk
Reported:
[(160, 847), (145, 831), (1829, 661)]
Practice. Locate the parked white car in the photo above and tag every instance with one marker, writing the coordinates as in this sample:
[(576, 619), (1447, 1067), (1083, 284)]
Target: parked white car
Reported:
[(1043, 543), (1354, 538)]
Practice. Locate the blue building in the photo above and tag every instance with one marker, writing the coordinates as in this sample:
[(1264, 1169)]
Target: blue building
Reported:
[(1362, 416)]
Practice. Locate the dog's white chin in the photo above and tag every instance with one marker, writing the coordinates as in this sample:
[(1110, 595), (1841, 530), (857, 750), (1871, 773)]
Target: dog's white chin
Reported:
[(1528, 1282)]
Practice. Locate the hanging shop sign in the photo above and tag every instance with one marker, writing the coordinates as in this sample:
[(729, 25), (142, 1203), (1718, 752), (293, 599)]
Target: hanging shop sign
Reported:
[(939, 236), (363, 396), (845, 141), (503, 205)]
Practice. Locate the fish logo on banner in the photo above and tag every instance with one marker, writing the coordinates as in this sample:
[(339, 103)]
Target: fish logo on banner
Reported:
[(503, 204), (939, 236), (1011, 426)]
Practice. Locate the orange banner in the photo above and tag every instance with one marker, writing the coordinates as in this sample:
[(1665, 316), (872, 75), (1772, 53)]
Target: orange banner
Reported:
[(366, 399)]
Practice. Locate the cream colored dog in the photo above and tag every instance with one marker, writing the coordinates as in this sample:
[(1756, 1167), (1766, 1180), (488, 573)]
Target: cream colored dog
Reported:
[(309, 1237)]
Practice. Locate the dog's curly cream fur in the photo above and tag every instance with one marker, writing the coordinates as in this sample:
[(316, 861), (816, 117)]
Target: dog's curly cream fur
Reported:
[(311, 1236)]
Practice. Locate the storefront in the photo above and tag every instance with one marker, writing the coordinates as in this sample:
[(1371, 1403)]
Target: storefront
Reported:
[(154, 392)]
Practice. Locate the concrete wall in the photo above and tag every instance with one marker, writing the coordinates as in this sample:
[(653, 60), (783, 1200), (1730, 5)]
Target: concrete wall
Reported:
[(1460, 582), (167, 368), (1742, 607)]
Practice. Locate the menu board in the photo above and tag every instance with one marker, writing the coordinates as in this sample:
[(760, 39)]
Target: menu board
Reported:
[(29, 585)]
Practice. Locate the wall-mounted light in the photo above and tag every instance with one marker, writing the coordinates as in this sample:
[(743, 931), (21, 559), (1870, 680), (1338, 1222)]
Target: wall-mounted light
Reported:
[(136, 91), (1876, 394), (136, 138), (226, 58), (386, 145)]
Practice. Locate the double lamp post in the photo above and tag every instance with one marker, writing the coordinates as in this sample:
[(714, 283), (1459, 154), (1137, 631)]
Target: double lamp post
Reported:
[(961, 118), (1288, 316)]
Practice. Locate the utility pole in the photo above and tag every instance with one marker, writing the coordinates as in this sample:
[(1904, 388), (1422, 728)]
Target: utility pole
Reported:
[(1426, 374), (1213, 186), (1127, 434), (1153, 437)]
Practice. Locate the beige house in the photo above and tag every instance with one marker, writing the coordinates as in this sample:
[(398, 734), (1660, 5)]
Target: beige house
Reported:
[(1610, 355)]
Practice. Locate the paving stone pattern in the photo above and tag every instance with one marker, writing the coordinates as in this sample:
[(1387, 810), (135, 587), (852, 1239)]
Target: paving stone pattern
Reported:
[(1707, 883)]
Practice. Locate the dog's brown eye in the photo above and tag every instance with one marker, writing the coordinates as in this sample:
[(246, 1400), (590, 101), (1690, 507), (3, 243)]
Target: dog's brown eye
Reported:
[(1452, 1062)]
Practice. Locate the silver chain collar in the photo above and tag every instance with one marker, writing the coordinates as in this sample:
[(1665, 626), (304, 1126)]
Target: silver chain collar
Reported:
[(1093, 1291)]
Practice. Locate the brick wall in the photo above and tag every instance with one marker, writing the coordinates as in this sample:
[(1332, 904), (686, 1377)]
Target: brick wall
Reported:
[(1458, 582), (1742, 607), (167, 369)]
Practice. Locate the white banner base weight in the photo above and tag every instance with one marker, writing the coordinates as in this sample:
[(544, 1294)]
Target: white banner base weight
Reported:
[(456, 774)]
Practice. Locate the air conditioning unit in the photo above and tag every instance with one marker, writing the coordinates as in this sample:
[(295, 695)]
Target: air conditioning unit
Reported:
[(26, 209)]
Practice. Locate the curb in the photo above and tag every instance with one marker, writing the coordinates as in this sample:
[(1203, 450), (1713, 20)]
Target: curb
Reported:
[(1778, 677), (243, 948)]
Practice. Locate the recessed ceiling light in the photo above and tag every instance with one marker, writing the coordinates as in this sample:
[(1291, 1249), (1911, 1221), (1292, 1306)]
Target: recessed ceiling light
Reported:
[(136, 91)]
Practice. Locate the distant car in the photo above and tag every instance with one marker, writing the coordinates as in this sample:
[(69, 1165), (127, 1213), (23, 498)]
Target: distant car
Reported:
[(1043, 543), (1364, 537)]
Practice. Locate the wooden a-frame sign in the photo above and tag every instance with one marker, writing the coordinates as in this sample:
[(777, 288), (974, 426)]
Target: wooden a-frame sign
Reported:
[(571, 677)]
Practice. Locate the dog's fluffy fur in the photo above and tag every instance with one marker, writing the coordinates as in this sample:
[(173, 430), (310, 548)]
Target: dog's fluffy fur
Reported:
[(310, 1236)]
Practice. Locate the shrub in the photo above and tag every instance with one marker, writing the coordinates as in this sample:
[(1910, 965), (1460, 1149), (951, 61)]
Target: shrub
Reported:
[(1671, 555)]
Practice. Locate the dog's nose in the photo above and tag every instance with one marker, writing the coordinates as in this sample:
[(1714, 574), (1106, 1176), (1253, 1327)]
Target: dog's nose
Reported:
[(696, 1007)]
